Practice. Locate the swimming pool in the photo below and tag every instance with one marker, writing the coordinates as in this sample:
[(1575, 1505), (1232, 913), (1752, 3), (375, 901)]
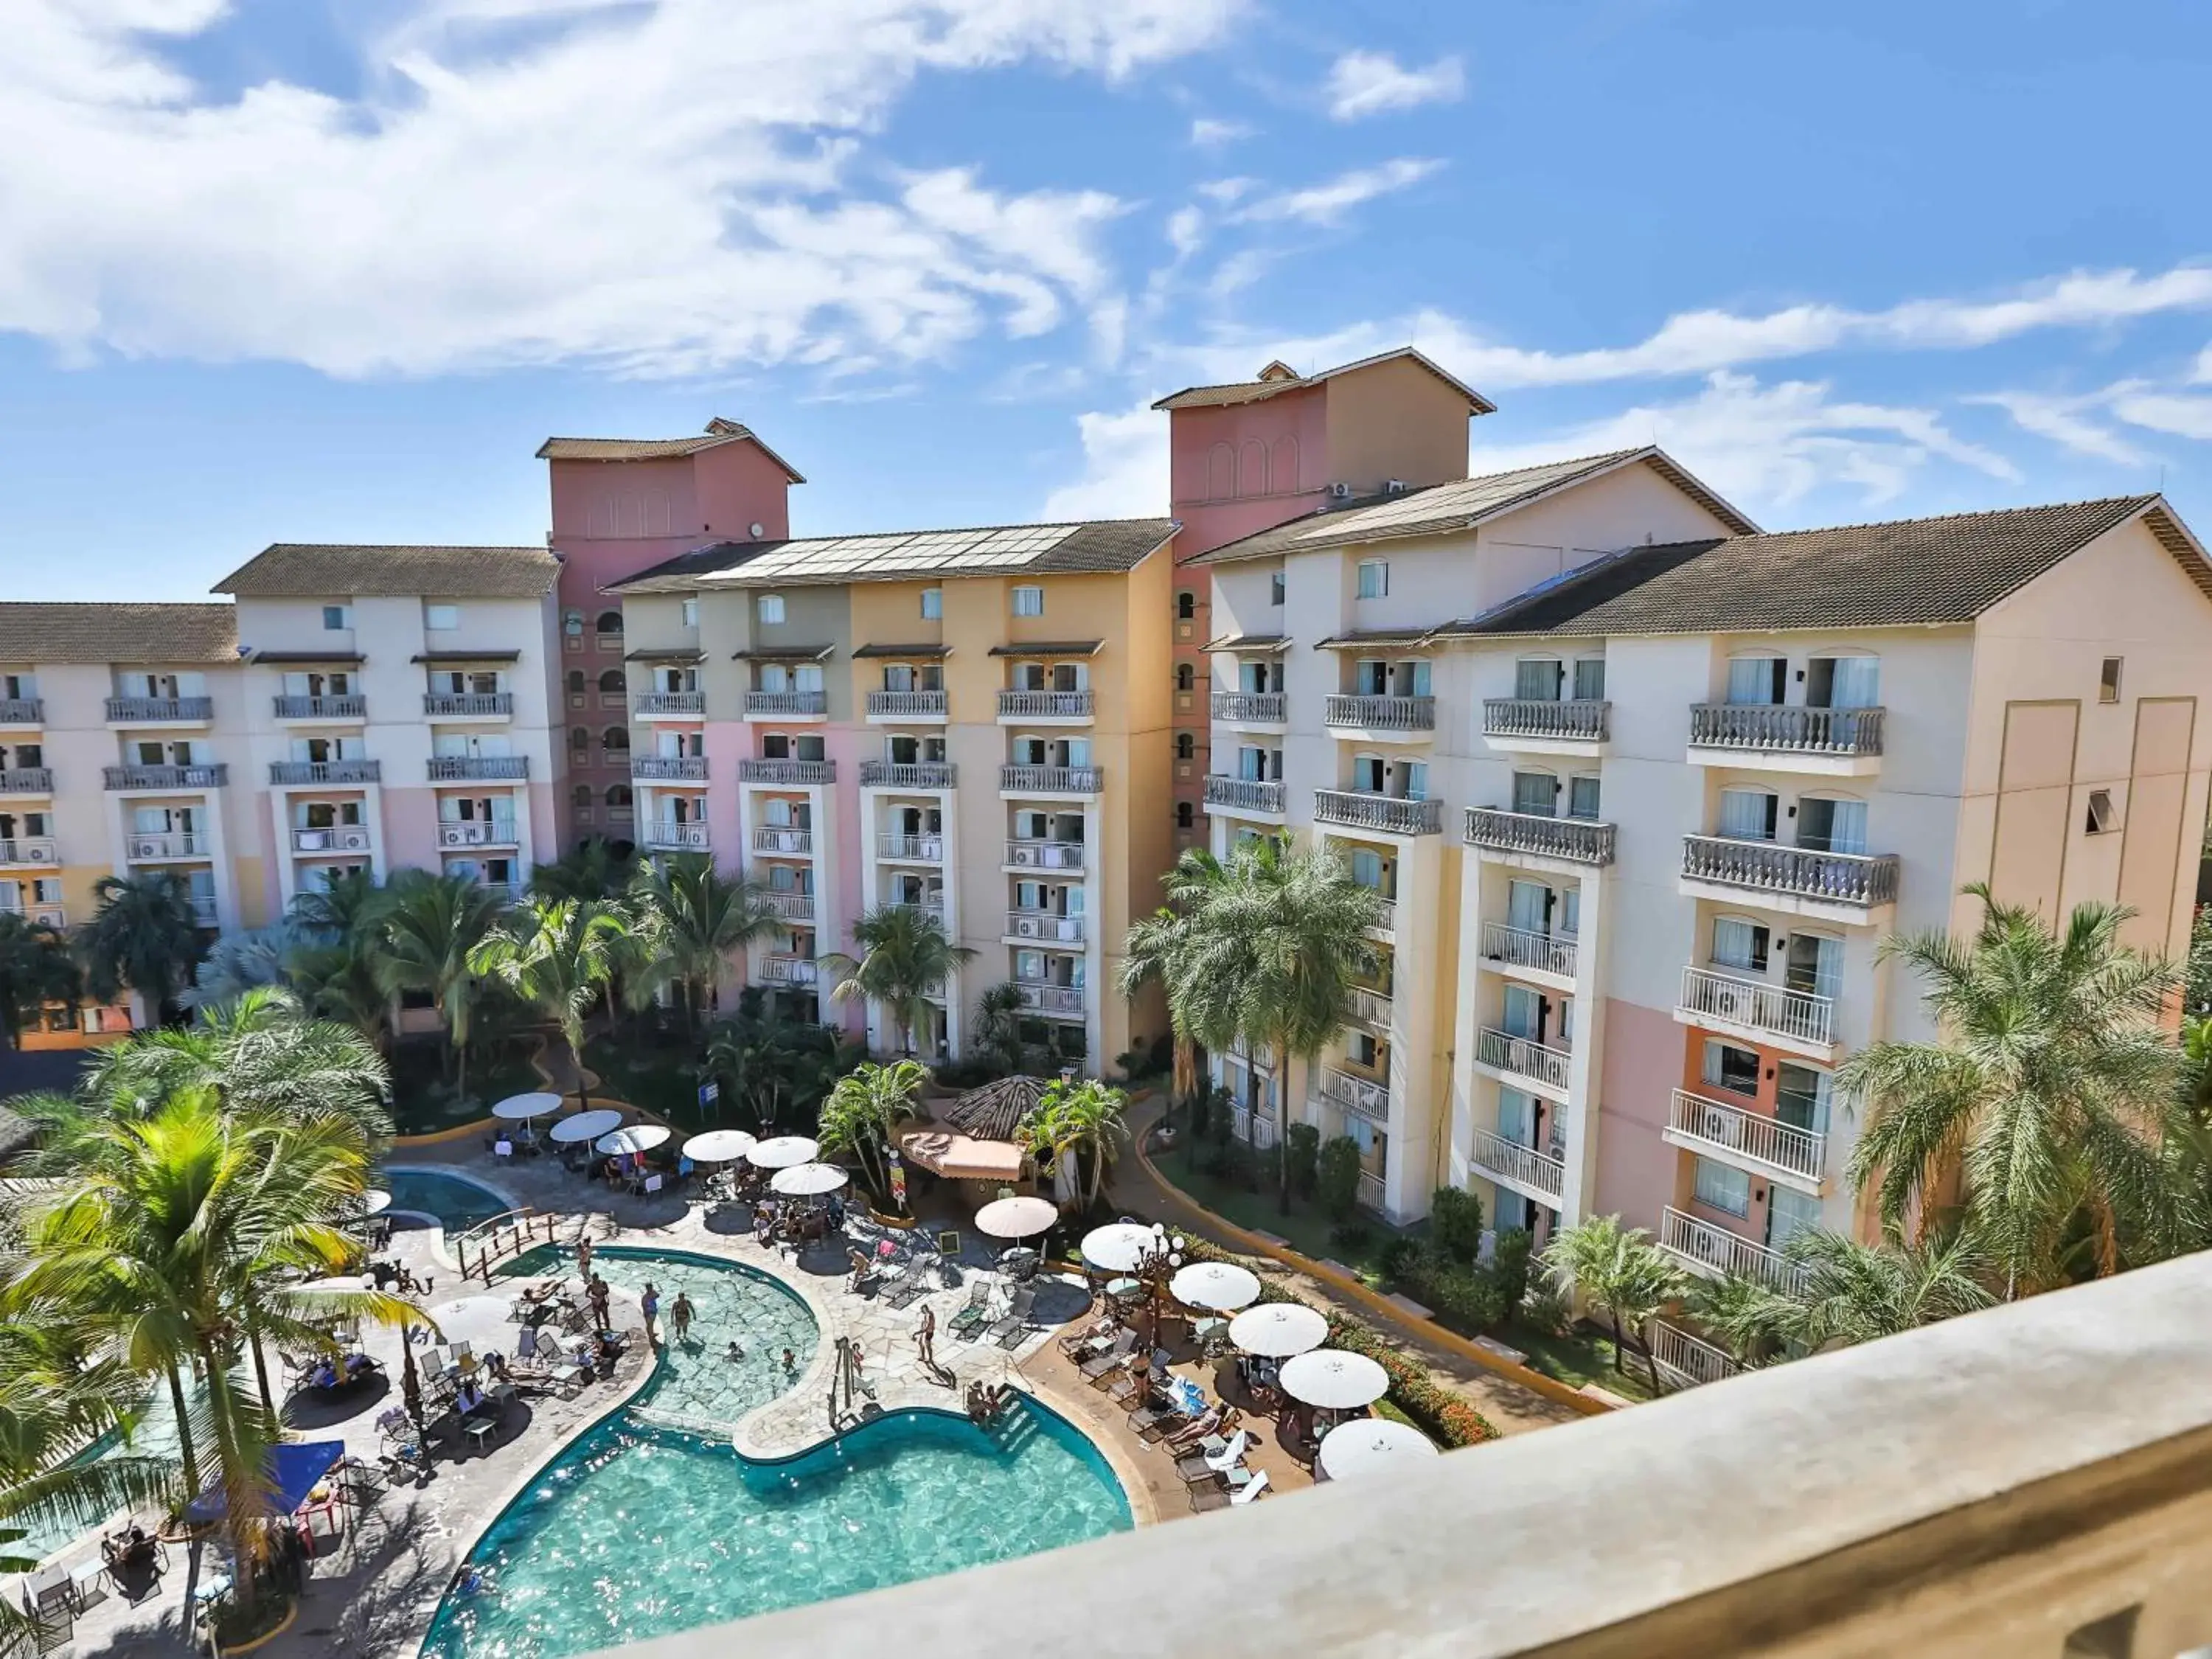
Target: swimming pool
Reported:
[(638, 1529), (458, 1202)]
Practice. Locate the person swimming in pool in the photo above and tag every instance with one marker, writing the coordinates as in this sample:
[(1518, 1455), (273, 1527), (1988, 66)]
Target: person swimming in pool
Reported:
[(735, 1351)]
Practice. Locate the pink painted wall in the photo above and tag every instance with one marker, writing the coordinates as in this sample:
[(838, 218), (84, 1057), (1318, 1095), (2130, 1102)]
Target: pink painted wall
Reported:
[(1236, 470), (738, 486), (1636, 1171), (727, 743), (410, 828)]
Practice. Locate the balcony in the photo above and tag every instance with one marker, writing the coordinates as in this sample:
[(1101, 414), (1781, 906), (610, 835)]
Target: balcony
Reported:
[(1370, 1008), (1049, 780), (1685, 1361), (804, 705), (1382, 717), (1759, 1010), (1535, 1174), (29, 849), (665, 834), (789, 906), (1044, 705), (1045, 854), (1525, 948), (788, 772), (1386, 924), (348, 706), (1547, 727), (492, 768), (1044, 927), (335, 771), (1535, 836), (160, 711), (140, 776), (669, 705), (1524, 1059), (668, 768), (477, 832), (22, 711), (1061, 1001), (911, 850), (907, 774), (1251, 707), (906, 705), (1844, 885), (332, 838), (1245, 795), (786, 840), (44, 915), (1350, 1093), (1775, 737), (1748, 1140), (203, 911), (1368, 1191), (780, 969), (466, 705), (1717, 1253), (167, 844), (930, 909), (32, 781), (1385, 814)]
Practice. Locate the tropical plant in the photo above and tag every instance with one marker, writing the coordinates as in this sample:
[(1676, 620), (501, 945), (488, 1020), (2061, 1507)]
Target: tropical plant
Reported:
[(1336, 1177), (1456, 1222), (1851, 1293), (780, 1069), (1081, 1121), (2198, 994), (430, 927), (1620, 1270), (35, 968), (1745, 1314), (699, 918), (345, 905), (556, 958), (242, 962), (862, 1110), (143, 937), (592, 872), (2035, 1116), (1301, 1150), (342, 981), (996, 1035), (906, 958), (1151, 949)]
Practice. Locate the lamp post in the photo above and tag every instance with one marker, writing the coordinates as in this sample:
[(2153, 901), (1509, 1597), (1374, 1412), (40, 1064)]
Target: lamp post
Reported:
[(1155, 1267)]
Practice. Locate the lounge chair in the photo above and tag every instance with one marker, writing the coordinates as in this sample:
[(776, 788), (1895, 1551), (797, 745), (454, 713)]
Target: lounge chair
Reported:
[(1122, 1388), (974, 1313), (1203, 1465), (1099, 1332), (918, 1281), (1007, 1333), (1149, 1422), (1116, 1355), (1217, 1497)]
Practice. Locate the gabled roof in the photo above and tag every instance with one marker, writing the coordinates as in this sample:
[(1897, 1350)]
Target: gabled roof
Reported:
[(1102, 545), (322, 570), (719, 431), (1277, 377), (1910, 572), (1441, 510), (99, 631)]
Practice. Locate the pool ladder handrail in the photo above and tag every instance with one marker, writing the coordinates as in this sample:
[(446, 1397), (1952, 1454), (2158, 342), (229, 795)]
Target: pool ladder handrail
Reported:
[(490, 1254)]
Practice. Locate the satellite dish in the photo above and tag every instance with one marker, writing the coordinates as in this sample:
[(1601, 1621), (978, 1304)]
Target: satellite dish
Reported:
[(759, 530)]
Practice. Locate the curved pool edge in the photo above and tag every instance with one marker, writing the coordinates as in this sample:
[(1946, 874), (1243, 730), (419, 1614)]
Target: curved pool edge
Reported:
[(437, 1245)]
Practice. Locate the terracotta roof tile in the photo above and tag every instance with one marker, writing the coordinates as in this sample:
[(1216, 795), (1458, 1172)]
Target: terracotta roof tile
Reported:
[(303, 570), (97, 633)]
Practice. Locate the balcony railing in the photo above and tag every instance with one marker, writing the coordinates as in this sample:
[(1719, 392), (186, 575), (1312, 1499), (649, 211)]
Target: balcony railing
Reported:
[(1389, 815), (666, 832), (1386, 922), (331, 771), (32, 781), (1685, 1361), (785, 840), (168, 844), (1374, 713), (203, 911), (1045, 854), (1703, 1247), (1368, 1193), (29, 849), (1257, 1128), (1522, 947), (451, 704), (1576, 841), (1051, 780), (906, 705), (676, 769), (1369, 1007), (1773, 1009), (1742, 1138), (22, 711), (332, 838), (344, 706), (908, 775), (1045, 705), (45, 916), (139, 776), (1260, 707), (1523, 1164), (790, 971), (931, 908), (1244, 794), (1576, 721), (495, 769), (1775, 728), (1350, 1093), (1522, 1057), (1047, 926), (787, 702), (911, 850), (1858, 880), (649, 703), (1068, 1000), (810, 772), (477, 832), (790, 907), (153, 710)]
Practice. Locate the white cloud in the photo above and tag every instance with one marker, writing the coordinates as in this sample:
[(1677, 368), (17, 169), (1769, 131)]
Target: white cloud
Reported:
[(1327, 203), (642, 186), (1186, 228), (2202, 373), (1125, 468), (2182, 416), (1363, 83), (1225, 191), (1207, 133), (2066, 422)]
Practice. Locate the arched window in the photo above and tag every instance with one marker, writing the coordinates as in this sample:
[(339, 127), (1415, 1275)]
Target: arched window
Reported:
[(576, 682), (615, 739), (1186, 604), (579, 738), (611, 622), (1185, 818), (572, 622), (582, 794), (612, 682), (1186, 746), (618, 794), (1185, 676)]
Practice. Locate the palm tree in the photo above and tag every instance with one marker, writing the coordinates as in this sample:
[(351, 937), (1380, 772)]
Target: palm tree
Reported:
[(1153, 945), (1852, 1292), (1080, 1120), (431, 925), (997, 1035), (906, 957), (2039, 1104), (35, 968), (1748, 1315), (238, 963), (1620, 1269), (557, 958), (772, 1065), (346, 905), (594, 872), (862, 1111), (702, 917), (144, 938)]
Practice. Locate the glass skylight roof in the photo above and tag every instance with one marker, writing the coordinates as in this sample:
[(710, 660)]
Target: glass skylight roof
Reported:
[(859, 557)]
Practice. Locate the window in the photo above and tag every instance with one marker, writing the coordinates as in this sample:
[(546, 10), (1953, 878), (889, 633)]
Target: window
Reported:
[(1739, 944), (1582, 798), (615, 739), (579, 738), (1537, 680), (1536, 793), (580, 795), (770, 609), (1589, 679), (1414, 776), (1185, 676), (612, 682), (1185, 819), (1186, 746), (1844, 683), (1029, 601), (1374, 579), (337, 616), (619, 795), (1727, 1066), (1367, 774), (1185, 605), (2108, 680), (572, 622), (1276, 583), (689, 612), (1749, 814), (1801, 1098), (441, 618), (1719, 1188), (1753, 680), (1788, 1214), (933, 603), (576, 687), (1831, 826), (2102, 816), (610, 622)]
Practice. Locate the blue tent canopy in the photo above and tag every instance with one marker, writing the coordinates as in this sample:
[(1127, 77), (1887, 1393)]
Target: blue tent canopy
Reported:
[(294, 1469)]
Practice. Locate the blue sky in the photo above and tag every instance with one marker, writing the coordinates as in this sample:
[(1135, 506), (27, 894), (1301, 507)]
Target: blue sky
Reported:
[(329, 270)]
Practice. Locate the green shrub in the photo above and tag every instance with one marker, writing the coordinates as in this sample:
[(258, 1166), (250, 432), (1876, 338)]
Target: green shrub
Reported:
[(1511, 1263), (1472, 1295), (1399, 1259), (1195, 1108), (1354, 1235), (1456, 1222), (1305, 1159), (1543, 1309), (1336, 1177), (1268, 1169)]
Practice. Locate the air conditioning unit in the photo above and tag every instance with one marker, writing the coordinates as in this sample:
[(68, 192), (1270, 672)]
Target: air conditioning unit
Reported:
[(1342, 492), (1393, 487), (148, 848), (1025, 856), (41, 855), (1028, 927), (454, 834), (1729, 1003), (1719, 1127)]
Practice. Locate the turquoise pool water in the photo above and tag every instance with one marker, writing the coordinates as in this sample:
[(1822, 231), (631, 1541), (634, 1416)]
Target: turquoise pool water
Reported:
[(458, 1202), (639, 1530)]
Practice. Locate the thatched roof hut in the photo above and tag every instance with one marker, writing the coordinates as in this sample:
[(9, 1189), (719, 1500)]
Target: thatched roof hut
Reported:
[(993, 1111)]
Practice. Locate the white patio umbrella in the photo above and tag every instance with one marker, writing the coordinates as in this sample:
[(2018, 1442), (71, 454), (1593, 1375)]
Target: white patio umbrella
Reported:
[(808, 1180), (376, 1201), (1118, 1247), (1334, 1380), (638, 1137), (719, 1146), (1371, 1445), (520, 1109), (1276, 1330), (587, 1126), (1220, 1286), (1015, 1217), (782, 1153)]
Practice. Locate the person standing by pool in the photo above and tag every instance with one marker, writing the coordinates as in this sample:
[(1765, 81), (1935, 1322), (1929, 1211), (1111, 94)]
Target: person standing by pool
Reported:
[(598, 1295), (650, 1302), (584, 1258), (925, 1336), (679, 1316)]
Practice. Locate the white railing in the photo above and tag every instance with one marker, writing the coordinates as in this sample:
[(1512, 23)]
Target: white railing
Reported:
[(912, 849), (1522, 1057), (1856, 879), (169, 844), (1369, 1007), (1386, 922), (1516, 1163), (1686, 1361), (1261, 708), (787, 702), (908, 775), (1050, 780), (1776, 728), (477, 832), (37, 779), (1240, 1123), (1044, 705), (340, 706), (29, 849), (784, 838), (1390, 815), (1067, 1000), (448, 768), (450, 703), (906, 705), (331, 771), (1046, 926), (1703, 1247), (1347, 1091), (789, 971), (1743, 1138), (1773, 1009), (790, 907), (666, 832), (151, 709), (22, 711), (1377, 713), (787, 771), (1522, 947), (144, 775), (1369, 1193), (933, 909), (673, 769), (1244, 794), (685, 704), (1045, 854), (332, 838), (1577, 840), (1578, 722)]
